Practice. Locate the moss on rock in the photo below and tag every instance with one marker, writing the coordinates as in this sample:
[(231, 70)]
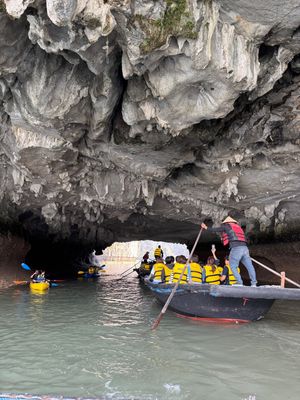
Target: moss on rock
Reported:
[(176, 21), (2, 6)]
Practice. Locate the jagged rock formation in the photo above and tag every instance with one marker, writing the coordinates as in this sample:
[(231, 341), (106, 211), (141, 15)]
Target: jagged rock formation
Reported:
[(138, 119)]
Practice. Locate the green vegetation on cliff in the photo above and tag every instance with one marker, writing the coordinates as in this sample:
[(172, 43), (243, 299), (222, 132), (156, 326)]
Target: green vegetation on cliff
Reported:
[(176, 21), (2, 6)]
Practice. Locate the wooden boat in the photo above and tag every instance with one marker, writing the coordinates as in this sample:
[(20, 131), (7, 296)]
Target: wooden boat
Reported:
[(39, 286), (232, 303)]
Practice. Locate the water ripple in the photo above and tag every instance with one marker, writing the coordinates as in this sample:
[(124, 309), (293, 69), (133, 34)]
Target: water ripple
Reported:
[(93, 339)]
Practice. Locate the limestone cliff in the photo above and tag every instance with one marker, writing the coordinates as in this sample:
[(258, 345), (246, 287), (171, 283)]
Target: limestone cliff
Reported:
[(138, 119)]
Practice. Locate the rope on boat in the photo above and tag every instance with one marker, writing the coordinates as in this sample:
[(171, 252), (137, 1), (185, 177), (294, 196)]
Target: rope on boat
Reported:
[(275, 272)]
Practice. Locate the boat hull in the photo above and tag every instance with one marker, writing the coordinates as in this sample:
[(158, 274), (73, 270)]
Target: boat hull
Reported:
[(197, 301), (39, 286), (87, 275)]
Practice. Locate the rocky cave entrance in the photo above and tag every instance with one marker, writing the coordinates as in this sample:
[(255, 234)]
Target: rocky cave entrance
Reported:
[(63, 259), (121, 255)]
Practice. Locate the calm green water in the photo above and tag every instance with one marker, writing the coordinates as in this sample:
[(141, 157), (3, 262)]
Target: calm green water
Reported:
[(92, 339)]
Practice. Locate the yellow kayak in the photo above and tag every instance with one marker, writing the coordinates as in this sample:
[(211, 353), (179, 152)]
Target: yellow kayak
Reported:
[(40, 286)]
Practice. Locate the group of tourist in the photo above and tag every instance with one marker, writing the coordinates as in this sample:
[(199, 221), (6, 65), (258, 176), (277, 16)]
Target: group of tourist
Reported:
[(169, 270)]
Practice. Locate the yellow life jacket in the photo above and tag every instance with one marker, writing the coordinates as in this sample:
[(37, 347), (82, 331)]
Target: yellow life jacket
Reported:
[(157, 252), (212, 277), (232, 280), (91, 270), (145, 266), (158, 267), (196, 272), (177, 269), (168, 272)]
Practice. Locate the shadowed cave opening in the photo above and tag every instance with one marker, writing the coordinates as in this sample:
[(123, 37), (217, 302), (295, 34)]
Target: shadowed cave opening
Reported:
[(65, 260)]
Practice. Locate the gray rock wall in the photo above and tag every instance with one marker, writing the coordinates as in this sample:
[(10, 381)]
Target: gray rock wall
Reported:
[(13, 250), (139, 119)]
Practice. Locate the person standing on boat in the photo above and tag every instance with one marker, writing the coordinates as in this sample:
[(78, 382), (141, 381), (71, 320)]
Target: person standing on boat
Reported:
[(233, 234), (158, 252), (227, 277)]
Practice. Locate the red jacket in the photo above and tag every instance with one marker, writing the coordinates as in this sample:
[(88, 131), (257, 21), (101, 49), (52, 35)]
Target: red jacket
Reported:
[(236, 233)]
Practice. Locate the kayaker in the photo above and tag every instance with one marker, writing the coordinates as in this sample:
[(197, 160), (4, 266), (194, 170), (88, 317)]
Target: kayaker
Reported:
[(34, 275), (158, 252), (233, 234), (38, 276), (91, 270)]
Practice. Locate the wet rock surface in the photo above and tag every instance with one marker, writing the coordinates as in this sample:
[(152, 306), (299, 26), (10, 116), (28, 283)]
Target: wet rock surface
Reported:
[(13, 250), (128, 120)]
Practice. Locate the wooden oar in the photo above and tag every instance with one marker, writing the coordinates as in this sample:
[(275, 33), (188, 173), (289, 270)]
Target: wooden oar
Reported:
[(275, 272), (124, 272), (124, 275), (164, 309)]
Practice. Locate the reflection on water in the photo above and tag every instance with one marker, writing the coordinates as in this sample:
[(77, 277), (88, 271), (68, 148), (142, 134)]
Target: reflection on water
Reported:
[(93, 339)]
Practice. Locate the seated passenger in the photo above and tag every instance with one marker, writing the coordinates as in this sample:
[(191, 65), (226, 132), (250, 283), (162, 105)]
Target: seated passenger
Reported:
[(227, 277), (156, 272), (195, 270), (168, 269), (145, 257), (143, 270), (38, 276), (211, 273), (178, 268)]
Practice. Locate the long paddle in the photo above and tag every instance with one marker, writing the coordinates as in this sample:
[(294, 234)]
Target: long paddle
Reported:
[(27, 268), (124, 276), (275, 272), (164, 309), (124, 272)]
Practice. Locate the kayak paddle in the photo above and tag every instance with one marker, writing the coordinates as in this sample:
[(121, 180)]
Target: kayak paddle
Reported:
[(25, 266)]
